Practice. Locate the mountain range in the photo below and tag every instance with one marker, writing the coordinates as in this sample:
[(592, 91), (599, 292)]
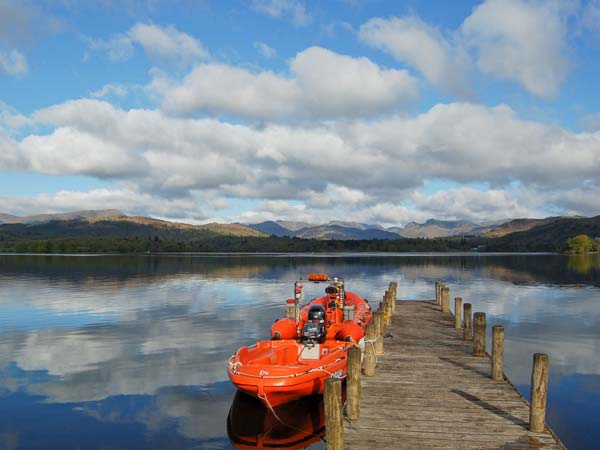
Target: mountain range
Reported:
[(113, 231), (355, 230)]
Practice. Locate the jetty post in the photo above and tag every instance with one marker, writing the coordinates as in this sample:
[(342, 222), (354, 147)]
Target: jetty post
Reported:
[(468, 329), (539, 392), (353, 383), (334, 419), (458, 312), (498, 353), (445, 299), (379, 325), (479, 324), (370, 352)]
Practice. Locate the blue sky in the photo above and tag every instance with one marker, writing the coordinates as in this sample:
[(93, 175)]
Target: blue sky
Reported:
[(375, 111)]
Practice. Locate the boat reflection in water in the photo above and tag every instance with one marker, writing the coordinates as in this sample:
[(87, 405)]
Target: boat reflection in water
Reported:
[(294, 425)]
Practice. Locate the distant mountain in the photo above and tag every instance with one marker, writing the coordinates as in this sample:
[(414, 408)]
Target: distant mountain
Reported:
[(549, 236), (76, 215), (8, 218), (357, 225), (518, 225), (340, 232), (123, 227), (444, 228), (271, 228)]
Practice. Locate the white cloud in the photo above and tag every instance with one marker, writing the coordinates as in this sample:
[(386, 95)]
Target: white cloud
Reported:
[(107, 90), (162, 44), (265, 50), (166, 42), (521, 41), (473, 204), (424, 47), (323, 84), (127, 200), (294, 9), (13, 62), (350, 166)]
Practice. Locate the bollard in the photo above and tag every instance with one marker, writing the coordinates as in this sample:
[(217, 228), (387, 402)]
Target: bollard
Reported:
[(479, 334), (383, 310), (438, 293), (497, 353), (445, 299), (353, 383), (458, 312), (387, 314), (378, 321), (539, 393), (468, 330), (334, 420), (370, 358)]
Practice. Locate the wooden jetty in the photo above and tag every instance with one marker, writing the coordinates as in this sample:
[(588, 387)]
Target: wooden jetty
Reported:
[(434, 386)]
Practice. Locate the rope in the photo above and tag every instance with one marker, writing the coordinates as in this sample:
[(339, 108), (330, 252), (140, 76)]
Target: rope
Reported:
[(372, 341), (292, 375), (264, 398)]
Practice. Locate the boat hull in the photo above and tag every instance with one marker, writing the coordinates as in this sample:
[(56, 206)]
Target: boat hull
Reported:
[(277, 372)]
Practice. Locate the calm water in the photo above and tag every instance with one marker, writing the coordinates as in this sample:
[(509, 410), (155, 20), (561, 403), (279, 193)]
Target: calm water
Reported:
[(111, 352)]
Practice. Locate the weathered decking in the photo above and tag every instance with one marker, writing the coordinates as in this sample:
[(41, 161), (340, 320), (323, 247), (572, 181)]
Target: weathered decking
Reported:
[(428, 392)]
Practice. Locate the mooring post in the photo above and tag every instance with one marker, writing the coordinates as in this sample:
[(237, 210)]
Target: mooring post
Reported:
[(370, 358), (445, 299), (479, 334), (497, 353), (353, 383), (384, 311), (393, 287), (539, 392), (468, 329), (438, 292), (379, 325), (334, 420), (458, 312)]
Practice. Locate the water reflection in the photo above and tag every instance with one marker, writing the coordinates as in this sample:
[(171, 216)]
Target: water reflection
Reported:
[(293, 426), (130, 352)]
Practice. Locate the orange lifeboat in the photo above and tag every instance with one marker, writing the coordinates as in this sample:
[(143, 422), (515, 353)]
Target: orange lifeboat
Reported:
[(277, 372), (307, 347)]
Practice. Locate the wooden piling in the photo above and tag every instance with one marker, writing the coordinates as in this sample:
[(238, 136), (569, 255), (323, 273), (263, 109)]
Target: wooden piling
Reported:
[(353, 383), (539, 393), (384, 311), (479, 323), (458, 312), (334, 420), (438, 292), (468, 329), (370, 358), (498, 353), (445, 299), (378, 321)]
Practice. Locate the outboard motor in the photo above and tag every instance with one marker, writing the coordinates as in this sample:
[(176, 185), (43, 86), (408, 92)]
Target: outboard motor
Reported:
[(314, 328)]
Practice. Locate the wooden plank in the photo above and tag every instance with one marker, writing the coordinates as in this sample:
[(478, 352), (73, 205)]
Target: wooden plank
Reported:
[(429, 392)]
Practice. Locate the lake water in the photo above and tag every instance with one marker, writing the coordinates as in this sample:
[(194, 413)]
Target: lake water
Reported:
[(123, 352)]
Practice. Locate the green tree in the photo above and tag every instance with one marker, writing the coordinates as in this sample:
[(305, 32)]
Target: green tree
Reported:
[(580, 244)]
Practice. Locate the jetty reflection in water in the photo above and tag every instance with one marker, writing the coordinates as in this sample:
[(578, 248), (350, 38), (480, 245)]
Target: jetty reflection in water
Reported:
[(294, 425)]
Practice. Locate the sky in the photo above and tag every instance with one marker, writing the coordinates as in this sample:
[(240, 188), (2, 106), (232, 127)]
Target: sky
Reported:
[(373, 111)]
